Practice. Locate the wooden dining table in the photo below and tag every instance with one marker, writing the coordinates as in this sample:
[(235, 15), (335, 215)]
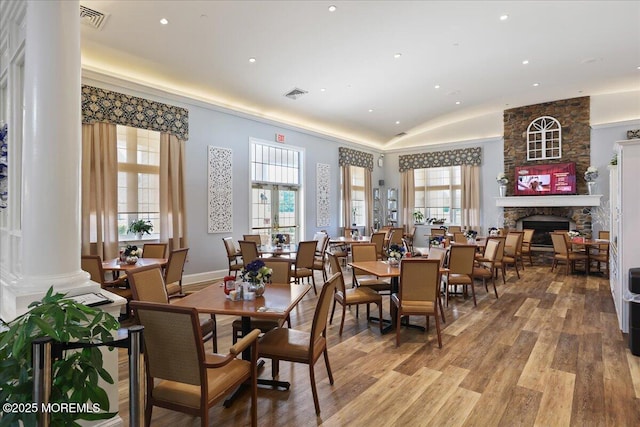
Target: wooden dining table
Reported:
[(117, 267), (276, 303), (278, 251)]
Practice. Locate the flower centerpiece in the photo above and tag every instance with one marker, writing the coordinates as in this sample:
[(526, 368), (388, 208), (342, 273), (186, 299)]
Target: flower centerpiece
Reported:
[(257, 273), (130, 254), (574, 233), (436, 241), (470, 234), (395, 253), (494, 232), (279, 239), (502, 180)]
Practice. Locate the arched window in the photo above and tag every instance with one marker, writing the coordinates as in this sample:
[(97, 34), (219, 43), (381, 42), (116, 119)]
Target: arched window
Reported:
[(544, 139)]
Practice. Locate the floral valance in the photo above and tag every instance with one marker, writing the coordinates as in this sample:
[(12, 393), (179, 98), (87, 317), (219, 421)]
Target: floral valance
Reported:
[(349, 157), (436, 159), (100, 105)]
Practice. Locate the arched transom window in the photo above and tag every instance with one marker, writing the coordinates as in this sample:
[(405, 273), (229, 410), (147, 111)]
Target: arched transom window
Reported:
[(544, 139)]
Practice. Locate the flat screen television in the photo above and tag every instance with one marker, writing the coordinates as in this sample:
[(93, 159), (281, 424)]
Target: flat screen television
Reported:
[(544, 180)]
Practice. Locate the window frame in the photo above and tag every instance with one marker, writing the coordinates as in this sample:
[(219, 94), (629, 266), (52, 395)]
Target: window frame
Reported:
[(454, 214)]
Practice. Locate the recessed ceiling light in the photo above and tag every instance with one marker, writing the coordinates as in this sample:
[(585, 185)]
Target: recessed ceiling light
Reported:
[(504, 17), (638, 68), (397, 122), (437, 87), (332, 8), (525, 62), (371, 110), (322, 89), (252, 60), (536, 84), (458, 102), (397, 55), (164, 21)]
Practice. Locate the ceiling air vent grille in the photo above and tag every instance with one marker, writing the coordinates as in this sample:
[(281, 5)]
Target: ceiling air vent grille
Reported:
[(401, 134), (92, 17), (295, 93)]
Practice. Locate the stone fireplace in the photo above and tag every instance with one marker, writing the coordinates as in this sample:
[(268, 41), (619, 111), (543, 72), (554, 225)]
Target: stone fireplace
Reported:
[(573, 115)]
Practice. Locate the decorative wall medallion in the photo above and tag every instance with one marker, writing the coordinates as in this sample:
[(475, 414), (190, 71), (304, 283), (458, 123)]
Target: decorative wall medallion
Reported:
[(220, 191), (323, 211)]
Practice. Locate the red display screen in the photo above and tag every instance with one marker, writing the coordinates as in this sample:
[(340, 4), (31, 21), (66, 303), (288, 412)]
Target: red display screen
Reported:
[(541, 180)]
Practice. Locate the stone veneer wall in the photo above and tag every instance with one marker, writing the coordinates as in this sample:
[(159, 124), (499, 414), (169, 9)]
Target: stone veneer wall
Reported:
[(573, 115)]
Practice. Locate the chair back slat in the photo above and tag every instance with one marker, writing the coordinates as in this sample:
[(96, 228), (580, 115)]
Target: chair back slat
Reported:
[(461, 259), (363, 252), (419, 279), (319, 324), (306, 252), (173, 347), (229, 247), (175, 265), (378, 240), (281, 270), (147, 284), (559, 243), (154, 250), (249, 251), (252, 238), (92, 264), (335, 268), (438, 253)]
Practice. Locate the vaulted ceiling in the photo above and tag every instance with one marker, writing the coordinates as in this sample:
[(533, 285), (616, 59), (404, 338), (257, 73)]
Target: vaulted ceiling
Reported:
[(372, 70)]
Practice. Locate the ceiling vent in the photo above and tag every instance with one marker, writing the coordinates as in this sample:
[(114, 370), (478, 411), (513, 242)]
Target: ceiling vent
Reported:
[(93, 18), (401, 134), (295, 93)]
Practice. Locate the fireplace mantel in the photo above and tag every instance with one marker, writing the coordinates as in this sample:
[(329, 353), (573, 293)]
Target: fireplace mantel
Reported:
[(548, 201)]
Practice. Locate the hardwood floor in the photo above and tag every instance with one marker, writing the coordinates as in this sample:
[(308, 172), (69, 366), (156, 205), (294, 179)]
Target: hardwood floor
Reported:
[(548, 352)]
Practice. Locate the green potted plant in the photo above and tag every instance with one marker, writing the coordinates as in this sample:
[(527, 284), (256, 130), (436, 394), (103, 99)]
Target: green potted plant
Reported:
[(418, 217), (140, 227), (75, 375)]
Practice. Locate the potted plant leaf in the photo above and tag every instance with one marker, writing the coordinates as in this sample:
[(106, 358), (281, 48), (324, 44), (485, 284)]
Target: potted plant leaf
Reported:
[(75, 376), (140, 227)]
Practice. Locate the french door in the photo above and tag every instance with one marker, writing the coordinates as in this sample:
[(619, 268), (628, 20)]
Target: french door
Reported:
[(275, 210)]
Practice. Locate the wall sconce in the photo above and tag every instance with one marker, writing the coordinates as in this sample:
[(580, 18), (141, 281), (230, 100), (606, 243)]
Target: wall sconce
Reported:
[(380, 160)]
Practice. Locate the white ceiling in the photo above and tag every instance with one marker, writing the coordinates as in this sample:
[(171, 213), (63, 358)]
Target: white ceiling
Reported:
[(574, 48)]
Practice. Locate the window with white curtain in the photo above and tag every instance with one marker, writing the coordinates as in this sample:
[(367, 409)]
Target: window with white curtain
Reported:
[(138, 179), (438, 193)]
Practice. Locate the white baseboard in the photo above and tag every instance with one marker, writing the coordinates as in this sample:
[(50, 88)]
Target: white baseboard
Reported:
[(207, 276)]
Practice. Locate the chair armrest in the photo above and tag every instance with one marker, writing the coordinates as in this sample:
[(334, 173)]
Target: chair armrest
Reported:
[(217, 360), (245, 342)]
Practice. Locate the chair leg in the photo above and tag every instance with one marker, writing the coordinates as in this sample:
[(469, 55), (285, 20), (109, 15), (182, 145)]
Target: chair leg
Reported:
[(380, 316), (438, 329), (313, 280), (332, 311), (328, 365), (147, 413), (312, 377), (215, 333), (473, 292), (399, 318), (495, 290), (441, 309), (344, 313), (275, 367)]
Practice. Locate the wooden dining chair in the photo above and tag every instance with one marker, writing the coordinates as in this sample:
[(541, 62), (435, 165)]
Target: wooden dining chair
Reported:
[(353, 296), (395, 238), (147, 284), (418, 292), (600, 254), (485, 267), (563, 254), (460, 270), (256, 238), (526, 243), (367, 252), (154, 250), (92, 264), (301, 346), (234, 256), (437, 232), (180, 377), (173, 271), (303, 265), (320, 254), (513, 250), (454, 229), (378, 240), (249, 251), (460, 238)]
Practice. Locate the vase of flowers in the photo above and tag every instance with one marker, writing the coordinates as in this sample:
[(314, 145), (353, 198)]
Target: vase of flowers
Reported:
[(256, 273), (395, 254), (471, 236), (590, 175), (575, 236), (502, 180), (279, 239), (436, 241), (130, 254)]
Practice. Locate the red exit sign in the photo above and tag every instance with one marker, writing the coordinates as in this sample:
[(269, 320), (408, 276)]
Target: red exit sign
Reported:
[(279, 137)]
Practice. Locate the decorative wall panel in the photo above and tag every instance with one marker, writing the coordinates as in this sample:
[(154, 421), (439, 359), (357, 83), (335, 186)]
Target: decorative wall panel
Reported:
[(436, 159), (220, 191), (349, 157), (323, 211), (100, 105)]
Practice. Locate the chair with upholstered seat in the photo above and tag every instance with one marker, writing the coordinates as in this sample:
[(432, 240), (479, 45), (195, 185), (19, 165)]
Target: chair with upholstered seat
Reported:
[(418, 292), (281, 273), (147, 284), (497, 262), (256, 238), (601, 253), (320, 255), (303, 265), (513, 250), (526, 243), (92, 264), (564, 254), (439, 254), (395, 236), (437, 232), (180, 377), (454, 229), (154, 250), (460, 238), (301, 346), (173, 271), (354, 296), (460, 270), (485, 268), (367, 252), (234, 256)]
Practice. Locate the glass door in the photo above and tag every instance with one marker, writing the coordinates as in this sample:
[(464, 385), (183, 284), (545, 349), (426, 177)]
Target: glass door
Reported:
[(275, 211)]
